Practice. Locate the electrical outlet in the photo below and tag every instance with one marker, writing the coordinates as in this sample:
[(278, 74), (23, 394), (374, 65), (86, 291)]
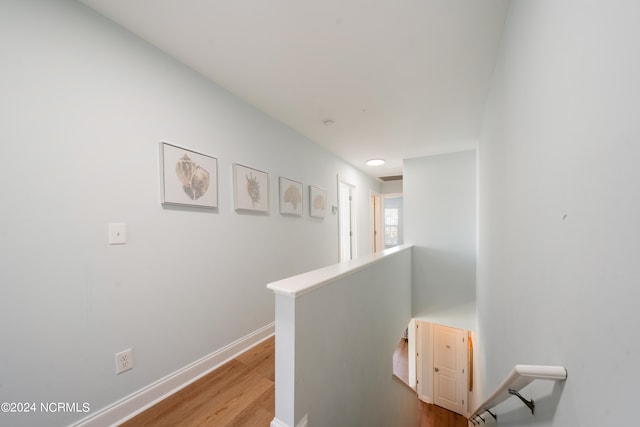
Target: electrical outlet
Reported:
[(124, 361)]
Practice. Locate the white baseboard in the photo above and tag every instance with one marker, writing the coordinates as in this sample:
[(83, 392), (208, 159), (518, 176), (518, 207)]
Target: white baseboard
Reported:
[(130, 406), (277, 423), (304, 422), (425, 398)]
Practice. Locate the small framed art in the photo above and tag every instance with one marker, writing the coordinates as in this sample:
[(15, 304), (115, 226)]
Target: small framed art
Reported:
[(290, 197), (251, 187), (317, 202), (187, 177)]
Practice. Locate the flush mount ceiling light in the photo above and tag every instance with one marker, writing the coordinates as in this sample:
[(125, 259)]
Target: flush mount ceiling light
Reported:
[(375, 162)]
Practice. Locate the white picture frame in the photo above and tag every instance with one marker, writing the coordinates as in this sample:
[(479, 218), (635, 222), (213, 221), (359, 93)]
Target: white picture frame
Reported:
[(188, 178), (317, 202), (251, 188), (291, 197)]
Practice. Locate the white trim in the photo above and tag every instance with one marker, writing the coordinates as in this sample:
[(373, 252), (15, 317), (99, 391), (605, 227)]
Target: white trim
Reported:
[(412, 352), (375, 219), (137, 402), (425, 398), (277, 423), (306, 282), (424, 367)]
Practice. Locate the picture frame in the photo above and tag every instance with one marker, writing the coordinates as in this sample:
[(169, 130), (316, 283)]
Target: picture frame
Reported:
[(187, 177), (317, 202), (251, 189), (291, 199)]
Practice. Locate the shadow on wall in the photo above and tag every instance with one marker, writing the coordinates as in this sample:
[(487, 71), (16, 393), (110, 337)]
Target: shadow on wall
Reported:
[(442, 281)]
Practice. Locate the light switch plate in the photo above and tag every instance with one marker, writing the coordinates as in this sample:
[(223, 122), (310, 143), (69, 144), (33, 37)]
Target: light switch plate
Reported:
[(117, 233)]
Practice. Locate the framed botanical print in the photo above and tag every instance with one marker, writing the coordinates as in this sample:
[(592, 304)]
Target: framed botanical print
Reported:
[(317, 202), (187, 177), (251, 187), (290, 197)]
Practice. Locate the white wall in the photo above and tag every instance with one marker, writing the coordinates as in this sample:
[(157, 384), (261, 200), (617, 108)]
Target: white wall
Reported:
[(440, 221), (337, 329), (392, 187), (559, 210), (83, 108)]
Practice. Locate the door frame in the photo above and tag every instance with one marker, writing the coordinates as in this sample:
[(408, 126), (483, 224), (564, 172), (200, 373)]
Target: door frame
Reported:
[(425, 363), (346, 210), (376, 212), (424, 360)]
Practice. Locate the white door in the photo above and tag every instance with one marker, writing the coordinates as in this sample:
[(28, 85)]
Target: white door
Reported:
[(449, 365)]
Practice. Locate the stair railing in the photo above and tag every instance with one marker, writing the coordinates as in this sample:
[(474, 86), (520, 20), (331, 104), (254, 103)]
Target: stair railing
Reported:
[(520, 377)]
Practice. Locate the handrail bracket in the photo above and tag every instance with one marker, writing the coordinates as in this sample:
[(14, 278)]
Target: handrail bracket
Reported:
[(530, 404), (495, 417)]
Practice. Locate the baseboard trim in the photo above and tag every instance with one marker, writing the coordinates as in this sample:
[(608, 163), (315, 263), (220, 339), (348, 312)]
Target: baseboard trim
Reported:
[(277, 423), (425, 398), (130, 406)]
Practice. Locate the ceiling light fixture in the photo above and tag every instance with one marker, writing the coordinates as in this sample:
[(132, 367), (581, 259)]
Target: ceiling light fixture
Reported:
[(328, 123), (375, 162)]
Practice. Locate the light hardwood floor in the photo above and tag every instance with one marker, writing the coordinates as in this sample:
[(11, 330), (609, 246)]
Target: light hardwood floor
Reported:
[(241, 393), (430, 415), (435, 416)]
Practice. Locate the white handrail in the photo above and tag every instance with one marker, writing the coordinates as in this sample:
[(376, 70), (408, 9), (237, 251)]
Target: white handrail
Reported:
[(520, 377)]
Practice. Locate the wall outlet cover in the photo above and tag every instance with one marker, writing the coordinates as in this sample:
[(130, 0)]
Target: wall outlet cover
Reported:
[(124, 361)]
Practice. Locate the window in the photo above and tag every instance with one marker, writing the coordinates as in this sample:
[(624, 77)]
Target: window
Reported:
[(391, 226), (393, 220)]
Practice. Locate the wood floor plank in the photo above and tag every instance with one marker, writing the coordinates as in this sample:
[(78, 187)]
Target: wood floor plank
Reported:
[(194, 400), (241, 399), (221, 396), (435, 416), (261, 359), (260, 414)]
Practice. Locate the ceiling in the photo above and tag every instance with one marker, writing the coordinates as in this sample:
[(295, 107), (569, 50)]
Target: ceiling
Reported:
[(390, 79)]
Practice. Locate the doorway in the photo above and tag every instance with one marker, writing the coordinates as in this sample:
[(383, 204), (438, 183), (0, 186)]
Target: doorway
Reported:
[(443, 361)]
